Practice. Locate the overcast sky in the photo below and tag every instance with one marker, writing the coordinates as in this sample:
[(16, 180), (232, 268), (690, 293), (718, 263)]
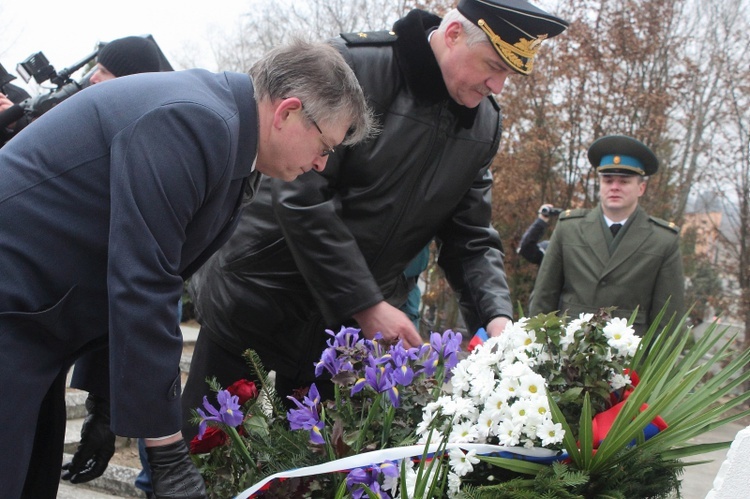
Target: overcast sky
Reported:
[(66, 32)]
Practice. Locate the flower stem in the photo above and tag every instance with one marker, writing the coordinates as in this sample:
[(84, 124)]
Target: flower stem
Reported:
[(239, 446)]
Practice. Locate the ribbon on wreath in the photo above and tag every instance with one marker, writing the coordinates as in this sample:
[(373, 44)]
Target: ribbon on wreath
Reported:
[(479, 338), (603, 421), (369, 459)]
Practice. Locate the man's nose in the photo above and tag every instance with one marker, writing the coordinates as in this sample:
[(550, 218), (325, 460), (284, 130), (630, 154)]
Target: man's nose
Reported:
[(496, 83), (320, 163)]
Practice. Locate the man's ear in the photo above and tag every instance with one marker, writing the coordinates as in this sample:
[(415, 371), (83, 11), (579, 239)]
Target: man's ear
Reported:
[(285, 108), (453, 33)]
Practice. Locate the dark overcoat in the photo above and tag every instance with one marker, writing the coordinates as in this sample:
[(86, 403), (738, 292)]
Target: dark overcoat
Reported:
[(107, 202)]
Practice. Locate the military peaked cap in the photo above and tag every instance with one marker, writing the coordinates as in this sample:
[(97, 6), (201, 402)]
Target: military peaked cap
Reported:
[(515, 27), (621, 155)]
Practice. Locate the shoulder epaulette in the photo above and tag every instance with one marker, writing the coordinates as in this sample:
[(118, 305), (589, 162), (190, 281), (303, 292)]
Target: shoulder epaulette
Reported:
[(577, 213), (663, 223), (369, 37)]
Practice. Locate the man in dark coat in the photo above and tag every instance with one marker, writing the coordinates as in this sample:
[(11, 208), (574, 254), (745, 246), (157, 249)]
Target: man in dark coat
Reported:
[(108, 201), (332, 248), (614, 255)]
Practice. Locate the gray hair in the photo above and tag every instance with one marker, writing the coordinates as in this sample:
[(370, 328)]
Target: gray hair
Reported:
[(474, 33), (318, 75)]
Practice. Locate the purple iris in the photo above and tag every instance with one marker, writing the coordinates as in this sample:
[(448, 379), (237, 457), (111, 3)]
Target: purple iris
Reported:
[(331, 362), (359, 477), (307, 415), (346, 338), (228, 413), (403, 374), (380, 379)]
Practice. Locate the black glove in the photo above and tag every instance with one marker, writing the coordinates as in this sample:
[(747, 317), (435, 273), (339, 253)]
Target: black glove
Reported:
[(97, 444), (173, 474)]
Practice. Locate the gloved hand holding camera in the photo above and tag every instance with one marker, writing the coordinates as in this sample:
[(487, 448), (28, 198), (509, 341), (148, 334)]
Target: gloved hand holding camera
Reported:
[(97, 444)]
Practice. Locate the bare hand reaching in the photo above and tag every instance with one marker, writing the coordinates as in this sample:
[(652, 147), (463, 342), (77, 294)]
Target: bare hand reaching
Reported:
[(392, 323)]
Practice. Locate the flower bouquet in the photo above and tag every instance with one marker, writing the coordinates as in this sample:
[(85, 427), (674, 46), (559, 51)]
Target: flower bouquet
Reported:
[(551, 408)]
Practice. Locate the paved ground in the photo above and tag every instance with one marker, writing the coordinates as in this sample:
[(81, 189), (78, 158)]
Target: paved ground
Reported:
[(699, 480)]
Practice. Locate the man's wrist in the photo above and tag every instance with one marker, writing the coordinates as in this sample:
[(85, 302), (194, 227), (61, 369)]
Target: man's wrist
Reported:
[(159, 441)]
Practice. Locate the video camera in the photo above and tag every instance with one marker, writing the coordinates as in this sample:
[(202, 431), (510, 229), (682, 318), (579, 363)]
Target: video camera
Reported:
[(551, 212), (37, 66)]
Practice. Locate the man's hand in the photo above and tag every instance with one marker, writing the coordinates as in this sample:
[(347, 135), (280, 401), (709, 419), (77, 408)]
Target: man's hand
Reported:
[(496, 326), (97, 444), (541, 214), (392, 323), (173, 474)]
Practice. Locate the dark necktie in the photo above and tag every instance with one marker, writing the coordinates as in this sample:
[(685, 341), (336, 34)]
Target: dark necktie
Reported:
[(615, 228)]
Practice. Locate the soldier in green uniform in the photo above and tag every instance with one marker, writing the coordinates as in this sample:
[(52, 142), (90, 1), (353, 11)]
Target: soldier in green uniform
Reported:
[(615, 254)]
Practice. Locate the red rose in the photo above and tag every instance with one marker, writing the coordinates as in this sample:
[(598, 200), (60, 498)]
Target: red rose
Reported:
[(244, 389), (213, 437)]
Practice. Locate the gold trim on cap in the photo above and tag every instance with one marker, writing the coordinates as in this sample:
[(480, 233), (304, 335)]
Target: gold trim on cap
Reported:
[(516, 53)]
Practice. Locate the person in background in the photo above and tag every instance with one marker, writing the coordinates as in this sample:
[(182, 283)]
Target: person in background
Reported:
[(334, 246), (129, 187), (530, 247), (614, 255), (10, 95), (126, 56)]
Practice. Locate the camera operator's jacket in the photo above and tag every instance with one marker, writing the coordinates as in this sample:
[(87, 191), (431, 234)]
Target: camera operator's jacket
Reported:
[(335, 243), (579, 275)]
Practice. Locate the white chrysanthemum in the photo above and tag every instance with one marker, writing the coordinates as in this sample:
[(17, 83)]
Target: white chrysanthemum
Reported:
[(428, 416), (461, 379), (483, 384), (508, 387), (434, 438), (410, 476), (497, 403), (508, 432), (632, 346), (464, 431), (532, 385), (464, 408), (454, 485), (618, 380), (539, 409), (550, 432), (618, 332), (462, 463), (515, 370), (487, 423), (520, 411)]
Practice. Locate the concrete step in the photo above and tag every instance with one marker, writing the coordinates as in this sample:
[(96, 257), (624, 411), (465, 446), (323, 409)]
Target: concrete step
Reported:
[(117, 481)]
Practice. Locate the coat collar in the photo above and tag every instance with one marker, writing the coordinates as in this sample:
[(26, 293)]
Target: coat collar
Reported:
[(593, 233), (418, 64)]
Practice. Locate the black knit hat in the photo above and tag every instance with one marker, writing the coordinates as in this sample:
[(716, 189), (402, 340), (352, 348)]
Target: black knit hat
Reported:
[(129, 55)]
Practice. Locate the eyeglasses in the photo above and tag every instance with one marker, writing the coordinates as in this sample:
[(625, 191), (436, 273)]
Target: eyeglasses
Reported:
[(328, 150)]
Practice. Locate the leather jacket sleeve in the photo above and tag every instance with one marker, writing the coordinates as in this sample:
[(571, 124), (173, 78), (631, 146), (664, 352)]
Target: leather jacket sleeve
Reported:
[(472, 257), (324, 249)]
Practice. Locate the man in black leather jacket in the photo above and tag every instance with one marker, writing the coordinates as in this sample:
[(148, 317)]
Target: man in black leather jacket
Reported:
[(331, 249)]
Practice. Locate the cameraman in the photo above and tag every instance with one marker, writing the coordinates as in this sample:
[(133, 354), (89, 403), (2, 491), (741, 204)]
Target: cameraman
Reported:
[(10, 95), (530, 248), (126, 56)]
